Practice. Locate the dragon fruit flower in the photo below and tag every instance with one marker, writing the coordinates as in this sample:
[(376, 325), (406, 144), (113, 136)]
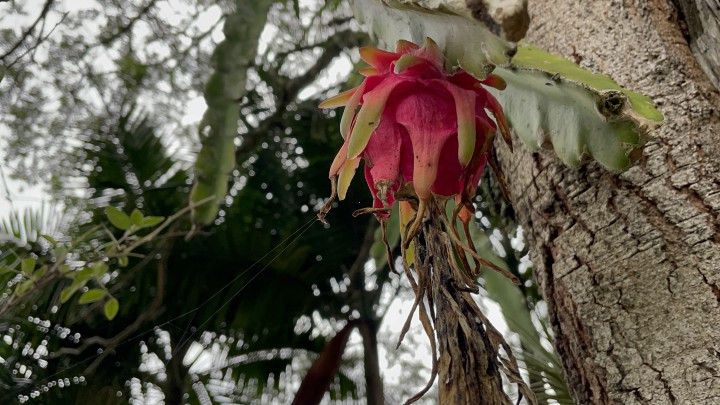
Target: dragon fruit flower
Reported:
[(415, 126)]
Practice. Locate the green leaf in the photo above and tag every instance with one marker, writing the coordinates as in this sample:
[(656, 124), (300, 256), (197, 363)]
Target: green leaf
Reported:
[(136, 217), (27, 266), (99, 269), (465, 42), (111, 308), (122, 261), (6, 269), (40, 272), (24, 287), (60, 253), (83, 275), (50, 239), (296, 8), (64, 269), (95, 294), (68, 291), (149, 222), (118, 218)]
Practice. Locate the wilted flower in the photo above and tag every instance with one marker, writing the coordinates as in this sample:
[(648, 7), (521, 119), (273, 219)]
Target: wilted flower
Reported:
[(419, 129)]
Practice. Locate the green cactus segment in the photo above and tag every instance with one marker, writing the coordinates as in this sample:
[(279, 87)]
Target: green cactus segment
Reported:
[(224, 88), (531, 57), (552, 102), (465, 42), (549, 100)]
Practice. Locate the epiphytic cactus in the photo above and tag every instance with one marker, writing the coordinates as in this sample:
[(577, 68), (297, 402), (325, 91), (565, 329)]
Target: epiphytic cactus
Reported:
[(419, 130), (424, 135)]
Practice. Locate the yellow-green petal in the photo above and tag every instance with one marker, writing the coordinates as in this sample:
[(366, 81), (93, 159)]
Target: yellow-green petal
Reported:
[(347, 172), (338, 100), (465, 108), (407, 61), (369, 116), (350, 109)]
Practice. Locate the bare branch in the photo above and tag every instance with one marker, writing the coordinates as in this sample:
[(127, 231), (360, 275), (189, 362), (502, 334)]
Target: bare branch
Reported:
[(28, 31)]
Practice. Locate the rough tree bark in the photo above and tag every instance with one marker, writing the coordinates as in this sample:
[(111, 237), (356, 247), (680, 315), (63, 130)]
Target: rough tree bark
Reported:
[(700, 24), (630, 264)]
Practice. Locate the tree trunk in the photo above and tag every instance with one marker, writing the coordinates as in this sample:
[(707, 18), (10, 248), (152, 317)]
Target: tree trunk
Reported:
[(373, 379), (630, 264), (700, 24)]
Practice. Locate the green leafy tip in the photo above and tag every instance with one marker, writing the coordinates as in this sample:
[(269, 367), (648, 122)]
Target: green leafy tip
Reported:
[(111, 308), (93, 295), (118, 218)]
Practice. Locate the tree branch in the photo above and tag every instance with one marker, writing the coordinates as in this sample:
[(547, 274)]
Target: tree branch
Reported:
[(287, 89), (125, 29), (28, 31)]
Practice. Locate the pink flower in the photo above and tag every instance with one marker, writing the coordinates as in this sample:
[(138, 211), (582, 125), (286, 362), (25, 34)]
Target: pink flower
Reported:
[(418, 127)]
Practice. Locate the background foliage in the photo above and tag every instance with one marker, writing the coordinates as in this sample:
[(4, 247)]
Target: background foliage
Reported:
[(99, 106)]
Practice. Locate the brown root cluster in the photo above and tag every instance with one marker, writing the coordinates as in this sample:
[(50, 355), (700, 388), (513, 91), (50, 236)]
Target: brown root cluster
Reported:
[(468, 352)]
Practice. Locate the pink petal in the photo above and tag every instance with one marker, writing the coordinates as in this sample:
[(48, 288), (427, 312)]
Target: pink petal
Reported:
[(407, 61), (378, 58), (339, 160), (448, 180), (368, 71), (383, 152), (495, 81), (404, 47), (429, 117), (431, 52), (474, 170), (502, 123)]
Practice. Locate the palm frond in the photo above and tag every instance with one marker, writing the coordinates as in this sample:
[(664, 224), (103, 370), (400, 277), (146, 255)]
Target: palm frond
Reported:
[(26, 226)]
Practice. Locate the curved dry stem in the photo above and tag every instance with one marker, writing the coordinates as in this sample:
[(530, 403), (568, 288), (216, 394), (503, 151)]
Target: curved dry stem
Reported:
[(479, 258), (388, 249), (471, 242), (465, 273), (492, 159), (509, 364), (415, 227), (370, 210), (430, 332), (328, 204)]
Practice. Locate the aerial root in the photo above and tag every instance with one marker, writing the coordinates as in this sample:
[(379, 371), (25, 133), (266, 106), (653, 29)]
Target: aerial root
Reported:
[(476, 256), (328, 204), (422, 290), (500, 177), (415, 227), (370, 210), (508, 363), (388, 249)]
